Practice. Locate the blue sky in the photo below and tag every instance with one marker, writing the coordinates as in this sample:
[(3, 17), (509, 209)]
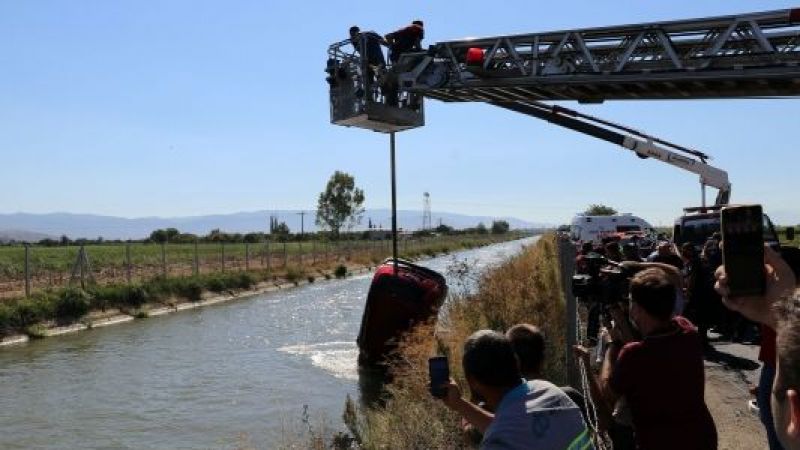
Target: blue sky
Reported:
[(141, 108)]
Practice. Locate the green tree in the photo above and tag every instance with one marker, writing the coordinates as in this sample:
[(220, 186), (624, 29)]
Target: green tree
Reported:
[(281, 231), (481, 229), (600, 210), (340, 205), (159, 236), (444, 229), (500, 227)]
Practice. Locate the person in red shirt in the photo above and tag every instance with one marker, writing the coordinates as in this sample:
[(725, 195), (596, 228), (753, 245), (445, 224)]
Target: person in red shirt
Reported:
[(661, 376), (406, 39)]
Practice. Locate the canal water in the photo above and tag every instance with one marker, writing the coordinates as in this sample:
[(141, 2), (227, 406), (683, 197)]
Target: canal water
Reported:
[(224, 376)]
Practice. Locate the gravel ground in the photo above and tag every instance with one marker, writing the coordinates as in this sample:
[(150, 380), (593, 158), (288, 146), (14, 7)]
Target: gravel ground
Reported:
[(730, 372)]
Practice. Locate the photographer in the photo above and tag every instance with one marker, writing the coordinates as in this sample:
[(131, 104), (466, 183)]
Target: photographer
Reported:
[(778, 309), (661, 376), (532, 414)]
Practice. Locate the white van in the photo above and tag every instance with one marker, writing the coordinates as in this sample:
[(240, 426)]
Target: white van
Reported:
[(594, 228)]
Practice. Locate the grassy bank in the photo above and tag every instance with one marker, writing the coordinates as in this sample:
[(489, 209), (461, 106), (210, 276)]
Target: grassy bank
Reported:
[(63, 306), (525, 288)]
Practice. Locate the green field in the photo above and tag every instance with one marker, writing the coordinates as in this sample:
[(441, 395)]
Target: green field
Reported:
[(113, 256), (50, 267)]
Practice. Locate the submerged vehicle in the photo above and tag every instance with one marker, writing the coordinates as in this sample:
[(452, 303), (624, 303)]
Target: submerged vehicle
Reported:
[(395, 303)]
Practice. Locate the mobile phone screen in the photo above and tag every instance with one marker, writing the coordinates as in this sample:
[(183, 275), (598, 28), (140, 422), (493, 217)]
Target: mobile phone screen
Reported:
[(743, 249), (439, 372)]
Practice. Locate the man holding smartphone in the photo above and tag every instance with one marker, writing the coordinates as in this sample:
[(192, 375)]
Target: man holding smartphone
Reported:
[(778, 308), (527, 414)]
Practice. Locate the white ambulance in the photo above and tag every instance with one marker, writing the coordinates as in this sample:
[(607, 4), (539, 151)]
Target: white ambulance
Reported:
[(594, 228)]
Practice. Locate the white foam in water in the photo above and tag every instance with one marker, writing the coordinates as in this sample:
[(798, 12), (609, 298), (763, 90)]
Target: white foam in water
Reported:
[(337, 358)]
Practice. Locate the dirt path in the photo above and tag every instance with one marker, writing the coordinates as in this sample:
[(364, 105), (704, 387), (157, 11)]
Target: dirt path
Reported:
[(729, 374)]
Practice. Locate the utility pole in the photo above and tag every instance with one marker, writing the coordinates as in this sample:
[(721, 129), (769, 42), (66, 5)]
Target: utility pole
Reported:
[(302, 215)]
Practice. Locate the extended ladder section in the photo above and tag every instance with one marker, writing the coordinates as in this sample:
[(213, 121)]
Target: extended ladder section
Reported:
[(749, 55)]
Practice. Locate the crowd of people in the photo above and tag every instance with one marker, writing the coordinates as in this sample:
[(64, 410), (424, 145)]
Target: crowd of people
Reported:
[(649, 390)]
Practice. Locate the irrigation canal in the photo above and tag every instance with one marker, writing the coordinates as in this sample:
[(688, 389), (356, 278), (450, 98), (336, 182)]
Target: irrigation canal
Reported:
[(215, 377)]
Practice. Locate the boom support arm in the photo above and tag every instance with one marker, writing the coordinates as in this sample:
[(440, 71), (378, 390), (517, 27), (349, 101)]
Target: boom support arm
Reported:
[(643, 145)]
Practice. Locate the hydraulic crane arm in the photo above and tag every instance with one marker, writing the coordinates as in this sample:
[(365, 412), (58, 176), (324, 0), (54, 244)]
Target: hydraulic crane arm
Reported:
[(643, 145)]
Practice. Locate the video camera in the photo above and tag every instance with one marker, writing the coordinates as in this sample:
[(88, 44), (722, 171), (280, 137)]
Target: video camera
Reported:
[(604, 282)]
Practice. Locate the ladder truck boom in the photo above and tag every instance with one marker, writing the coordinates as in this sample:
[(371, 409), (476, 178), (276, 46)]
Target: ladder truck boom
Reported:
[(734, 56), (643, 145)]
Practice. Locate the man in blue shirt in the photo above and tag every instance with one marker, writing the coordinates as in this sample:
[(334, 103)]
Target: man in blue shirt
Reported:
[(527, 414)]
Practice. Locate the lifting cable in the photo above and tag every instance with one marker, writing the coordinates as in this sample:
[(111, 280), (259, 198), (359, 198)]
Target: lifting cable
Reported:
[(394, 203)]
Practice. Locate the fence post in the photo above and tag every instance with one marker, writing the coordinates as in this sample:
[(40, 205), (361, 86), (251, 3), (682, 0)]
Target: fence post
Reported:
[(223, 256), (128, 262), (300, 253), (262, 256), (196, 268), (27, 270), (164, 259), (285, 255), (82, 258), (269, 257), (566, 257), (313, 253), (246, 256)]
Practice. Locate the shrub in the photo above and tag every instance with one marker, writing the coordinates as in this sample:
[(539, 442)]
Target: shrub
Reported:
[(294, 274), (311, 278), (34, 309), (216, 284), (136, 296), (245, 280), (340, 272), (188, 288), (72, 304), (6, 319)]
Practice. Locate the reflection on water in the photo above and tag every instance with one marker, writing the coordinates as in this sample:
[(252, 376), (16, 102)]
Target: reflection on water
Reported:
[(198, 379)]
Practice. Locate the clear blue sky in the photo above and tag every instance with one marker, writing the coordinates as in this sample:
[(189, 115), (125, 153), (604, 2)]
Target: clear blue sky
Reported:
[(140, 108)]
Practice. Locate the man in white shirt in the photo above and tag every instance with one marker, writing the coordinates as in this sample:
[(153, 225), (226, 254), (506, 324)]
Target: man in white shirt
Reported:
[(527, 414)]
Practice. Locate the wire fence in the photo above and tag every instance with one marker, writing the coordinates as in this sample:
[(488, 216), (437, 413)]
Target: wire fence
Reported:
[(26, 269)]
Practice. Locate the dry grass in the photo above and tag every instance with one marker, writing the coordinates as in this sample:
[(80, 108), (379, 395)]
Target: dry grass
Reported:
[(525, 288)]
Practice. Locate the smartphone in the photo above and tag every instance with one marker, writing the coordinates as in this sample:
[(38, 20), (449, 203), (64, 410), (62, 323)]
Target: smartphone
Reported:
[(743, 249), (439, 372)]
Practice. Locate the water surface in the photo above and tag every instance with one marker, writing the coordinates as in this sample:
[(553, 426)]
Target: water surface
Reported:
[(213, 377)]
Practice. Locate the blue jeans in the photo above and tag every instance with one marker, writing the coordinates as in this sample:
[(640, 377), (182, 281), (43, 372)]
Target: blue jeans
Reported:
[(764, 399)]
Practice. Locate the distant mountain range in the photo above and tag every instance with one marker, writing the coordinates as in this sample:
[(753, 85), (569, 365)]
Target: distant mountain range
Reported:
[(33, 227)]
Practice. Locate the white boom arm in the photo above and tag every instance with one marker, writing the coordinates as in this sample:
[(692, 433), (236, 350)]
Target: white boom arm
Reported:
[(643, 145), (709, 175)]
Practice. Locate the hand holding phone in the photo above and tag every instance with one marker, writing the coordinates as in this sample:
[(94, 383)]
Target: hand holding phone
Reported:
[(743, 250), (439, 374)]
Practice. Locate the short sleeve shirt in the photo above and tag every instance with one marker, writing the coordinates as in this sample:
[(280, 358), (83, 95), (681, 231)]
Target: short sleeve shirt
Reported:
[(537, 415), (662, 379)]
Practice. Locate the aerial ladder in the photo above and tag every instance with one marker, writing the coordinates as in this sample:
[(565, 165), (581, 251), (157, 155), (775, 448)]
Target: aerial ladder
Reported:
[(736, 56)]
